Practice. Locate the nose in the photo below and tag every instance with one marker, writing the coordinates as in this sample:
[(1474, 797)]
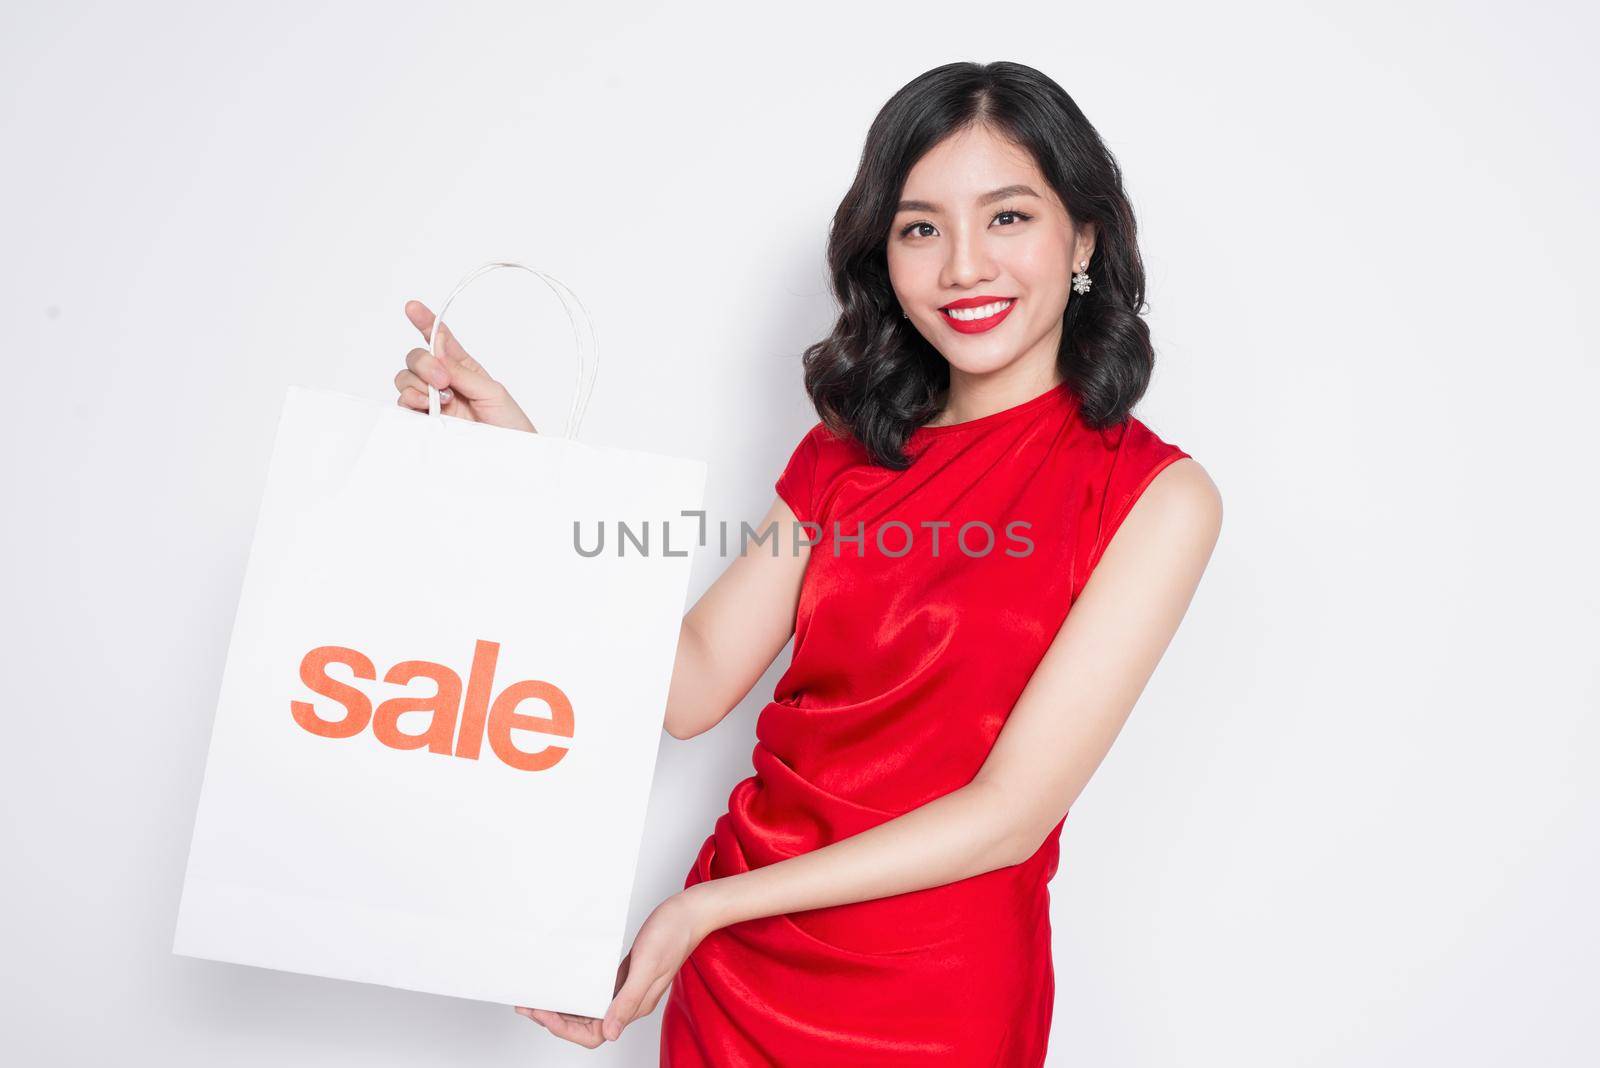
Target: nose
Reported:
[(968, 263)]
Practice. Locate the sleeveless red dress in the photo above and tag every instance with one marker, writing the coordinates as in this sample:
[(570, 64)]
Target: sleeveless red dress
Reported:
[(912, 643)]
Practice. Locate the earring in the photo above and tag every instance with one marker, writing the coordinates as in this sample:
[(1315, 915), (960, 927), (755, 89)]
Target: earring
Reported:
[(1080, 281), (903, 315)]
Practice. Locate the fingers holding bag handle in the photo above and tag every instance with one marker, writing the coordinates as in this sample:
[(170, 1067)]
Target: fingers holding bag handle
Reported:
[(466, 390), (467, 377)]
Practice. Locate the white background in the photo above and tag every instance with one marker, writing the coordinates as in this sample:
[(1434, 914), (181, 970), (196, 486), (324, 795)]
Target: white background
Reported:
[(1353, 818)]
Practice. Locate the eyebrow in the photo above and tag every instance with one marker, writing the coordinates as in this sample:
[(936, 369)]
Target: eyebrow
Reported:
[(988, 198)]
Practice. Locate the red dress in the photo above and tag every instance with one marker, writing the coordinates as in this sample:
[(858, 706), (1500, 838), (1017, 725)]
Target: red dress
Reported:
[(912, 643)]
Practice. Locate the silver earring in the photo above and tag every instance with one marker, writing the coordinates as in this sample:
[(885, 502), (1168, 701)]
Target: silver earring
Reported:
[(903, 315), (1080, 281)]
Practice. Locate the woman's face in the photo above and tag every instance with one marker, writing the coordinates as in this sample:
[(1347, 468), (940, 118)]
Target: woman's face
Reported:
[(977, 219)]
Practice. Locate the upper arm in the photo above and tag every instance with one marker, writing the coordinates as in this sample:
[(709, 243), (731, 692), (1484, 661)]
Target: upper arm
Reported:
[(741, 623), (1086, 685), (748, 613)]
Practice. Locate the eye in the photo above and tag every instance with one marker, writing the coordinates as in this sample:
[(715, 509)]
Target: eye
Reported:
[(914, 229)]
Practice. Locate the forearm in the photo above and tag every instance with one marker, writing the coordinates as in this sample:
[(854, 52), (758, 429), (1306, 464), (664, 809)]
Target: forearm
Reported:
[(961, 834)]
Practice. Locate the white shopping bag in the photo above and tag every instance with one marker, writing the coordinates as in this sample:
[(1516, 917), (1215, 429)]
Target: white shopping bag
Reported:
[(439, 718)]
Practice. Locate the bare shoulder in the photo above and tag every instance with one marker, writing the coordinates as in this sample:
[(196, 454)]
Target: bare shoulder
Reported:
[(1182, 499)]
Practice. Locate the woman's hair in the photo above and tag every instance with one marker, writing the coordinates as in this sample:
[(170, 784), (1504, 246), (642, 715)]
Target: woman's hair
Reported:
[(875, 378)]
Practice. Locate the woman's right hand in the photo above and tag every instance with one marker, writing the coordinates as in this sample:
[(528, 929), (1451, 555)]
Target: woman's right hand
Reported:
[(465, 389)]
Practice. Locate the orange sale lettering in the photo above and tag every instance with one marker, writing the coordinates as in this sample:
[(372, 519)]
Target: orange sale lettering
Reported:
[(456, 727)]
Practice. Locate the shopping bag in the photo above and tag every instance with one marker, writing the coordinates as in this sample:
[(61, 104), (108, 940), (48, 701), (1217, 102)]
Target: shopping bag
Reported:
[(442, 702)]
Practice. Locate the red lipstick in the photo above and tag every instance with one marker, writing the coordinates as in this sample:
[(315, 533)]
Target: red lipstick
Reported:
[(977, 326)]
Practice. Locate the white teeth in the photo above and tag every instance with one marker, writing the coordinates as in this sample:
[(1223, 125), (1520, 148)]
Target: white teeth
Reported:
[(966, 315)]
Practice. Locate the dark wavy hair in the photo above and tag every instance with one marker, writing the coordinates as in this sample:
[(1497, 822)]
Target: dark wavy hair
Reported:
[(875, 377)]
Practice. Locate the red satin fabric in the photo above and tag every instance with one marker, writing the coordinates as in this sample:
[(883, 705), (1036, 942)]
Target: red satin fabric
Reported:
[(904, 670)]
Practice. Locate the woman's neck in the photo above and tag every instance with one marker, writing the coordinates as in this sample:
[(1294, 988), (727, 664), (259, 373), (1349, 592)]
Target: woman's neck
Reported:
[(973, 396)]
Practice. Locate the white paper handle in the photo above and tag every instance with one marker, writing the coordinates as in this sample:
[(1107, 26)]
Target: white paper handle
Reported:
[(582, 330)]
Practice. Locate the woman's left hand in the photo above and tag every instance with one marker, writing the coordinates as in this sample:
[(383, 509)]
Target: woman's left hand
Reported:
[(663, 943)]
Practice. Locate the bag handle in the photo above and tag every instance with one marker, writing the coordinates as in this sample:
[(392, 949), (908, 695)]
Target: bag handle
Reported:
[(582, 331)]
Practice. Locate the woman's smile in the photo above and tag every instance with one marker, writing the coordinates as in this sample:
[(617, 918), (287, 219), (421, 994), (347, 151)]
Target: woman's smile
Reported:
[(974, 315)]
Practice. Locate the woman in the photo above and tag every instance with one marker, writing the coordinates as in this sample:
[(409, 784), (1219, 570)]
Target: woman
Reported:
[(877, 892)]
